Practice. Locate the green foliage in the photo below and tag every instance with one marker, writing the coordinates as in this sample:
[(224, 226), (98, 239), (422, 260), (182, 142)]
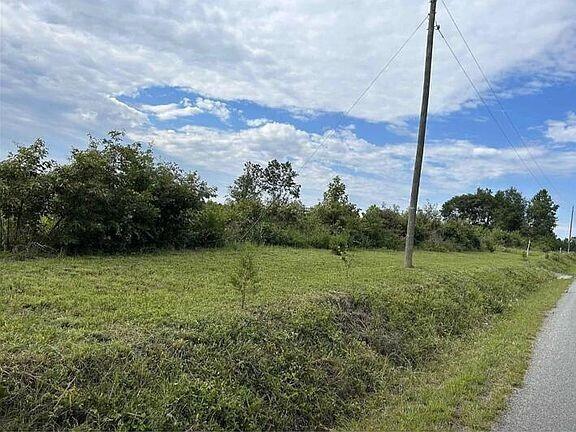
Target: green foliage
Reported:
[(382, 228), (462, 235), (25, 190), (476, 208), (208, 226), (275, 184), (336, 211), (113, 196), (510, 210), (542, 216), (244, 279)]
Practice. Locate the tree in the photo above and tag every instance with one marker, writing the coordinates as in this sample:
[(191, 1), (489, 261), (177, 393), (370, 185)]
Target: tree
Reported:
[(114, 196), (25, 195), (382, 227), (248, 185), (278, 182), (510, 210), (275, 184), (476, 208), (245, 277), (541, 215), (335, 210)]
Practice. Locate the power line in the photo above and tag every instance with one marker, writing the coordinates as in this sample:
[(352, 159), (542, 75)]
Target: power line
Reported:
[(514, 127), (364, 92), (330, 133), (488, 108)]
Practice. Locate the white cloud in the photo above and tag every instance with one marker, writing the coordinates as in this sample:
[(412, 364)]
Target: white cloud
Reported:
[(373, 173), (185, 108), (62, 57), (65, 63), (256, 122), (562, 131)]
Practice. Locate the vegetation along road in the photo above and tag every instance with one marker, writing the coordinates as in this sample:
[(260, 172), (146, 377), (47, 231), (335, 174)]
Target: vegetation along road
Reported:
[(161, 342), (547, 400)]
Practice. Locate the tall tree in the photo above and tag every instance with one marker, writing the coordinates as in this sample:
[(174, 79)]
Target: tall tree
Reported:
[(476, 208), (541, 215), (248, 185), (510, 210), (275, 184)]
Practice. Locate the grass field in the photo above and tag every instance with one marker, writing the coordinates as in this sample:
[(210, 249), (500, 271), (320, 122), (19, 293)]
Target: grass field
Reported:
[(63, 301), (159, 341)]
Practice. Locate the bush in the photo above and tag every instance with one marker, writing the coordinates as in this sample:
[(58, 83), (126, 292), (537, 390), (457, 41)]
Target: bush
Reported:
[(462, 235), (208, 226)]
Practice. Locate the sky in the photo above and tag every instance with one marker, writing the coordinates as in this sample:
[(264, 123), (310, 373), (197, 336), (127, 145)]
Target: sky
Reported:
[(214, 84)]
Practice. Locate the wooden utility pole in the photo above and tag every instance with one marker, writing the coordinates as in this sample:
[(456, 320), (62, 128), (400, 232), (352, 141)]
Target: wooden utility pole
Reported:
[(570, 229), (421, 138)]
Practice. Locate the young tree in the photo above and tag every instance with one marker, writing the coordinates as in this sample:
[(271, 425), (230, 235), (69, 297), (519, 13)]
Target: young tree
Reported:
[(244, 279), (25, 194), (541, 215)]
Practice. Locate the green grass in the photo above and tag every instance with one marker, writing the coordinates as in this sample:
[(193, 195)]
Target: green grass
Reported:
[(159, 341), (467, 387), (63, 301)]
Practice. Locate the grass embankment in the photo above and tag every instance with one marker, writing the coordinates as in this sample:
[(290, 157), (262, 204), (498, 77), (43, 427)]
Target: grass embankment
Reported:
[(159, 342), (468, 385)]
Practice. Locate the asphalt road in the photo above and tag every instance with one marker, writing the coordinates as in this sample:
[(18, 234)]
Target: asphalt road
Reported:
[(547, 399)]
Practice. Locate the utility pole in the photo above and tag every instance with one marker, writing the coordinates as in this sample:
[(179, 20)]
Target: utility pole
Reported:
[(570, 229), (421, 138)]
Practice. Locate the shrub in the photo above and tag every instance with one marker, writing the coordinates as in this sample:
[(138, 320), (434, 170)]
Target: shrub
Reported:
[(462, 235)]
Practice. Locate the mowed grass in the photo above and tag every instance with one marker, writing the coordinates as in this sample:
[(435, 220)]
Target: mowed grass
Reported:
[(159, 341), (78, 300)]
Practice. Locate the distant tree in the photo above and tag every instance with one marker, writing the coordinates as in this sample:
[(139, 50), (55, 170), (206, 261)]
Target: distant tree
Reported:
[(279, 182), (541, 215), (476, 208), (336, 211), (248, 186), (274, 184), (25, 195), (510, 210), (382, 227)]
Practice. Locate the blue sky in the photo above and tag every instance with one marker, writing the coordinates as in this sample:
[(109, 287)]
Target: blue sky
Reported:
[(214, 84)]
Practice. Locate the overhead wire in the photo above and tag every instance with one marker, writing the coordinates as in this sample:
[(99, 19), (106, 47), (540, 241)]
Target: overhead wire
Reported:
[(481, 98), (364, 92), (497, 98), (331, 132)]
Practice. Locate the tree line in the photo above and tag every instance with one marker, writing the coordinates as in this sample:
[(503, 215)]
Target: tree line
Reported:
[(114, 196)]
